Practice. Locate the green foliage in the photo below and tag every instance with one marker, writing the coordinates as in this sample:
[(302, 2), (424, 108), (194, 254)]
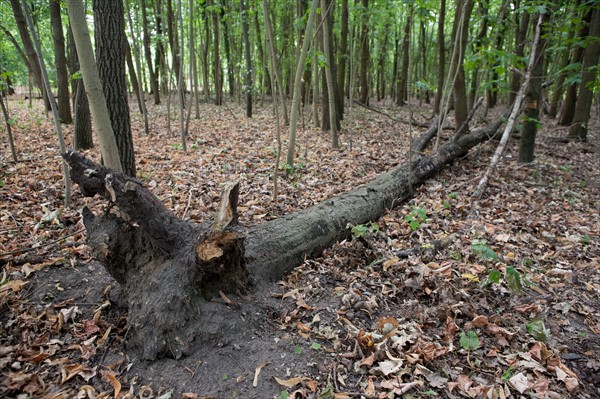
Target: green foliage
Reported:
[(537, 329), (298, 350), (469, 340), (513, 279), (315, 345), (508, 373), (480, 248), (284, 395), (415, 218), (361, 230), (493, 277)]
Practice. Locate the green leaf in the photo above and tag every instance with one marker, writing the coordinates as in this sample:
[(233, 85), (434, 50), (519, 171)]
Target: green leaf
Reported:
[(298, 350), (507, 374), (480, 249), (315, 345), (469, 341), (537, 329), (493, 277), (284, 395), (513, 279), (11, 121)]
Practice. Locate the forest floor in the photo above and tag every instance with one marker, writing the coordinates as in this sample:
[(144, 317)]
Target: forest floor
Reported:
[(510, 308)]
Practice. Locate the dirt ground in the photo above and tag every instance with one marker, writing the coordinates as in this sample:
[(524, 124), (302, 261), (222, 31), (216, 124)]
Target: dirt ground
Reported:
[(509, 308)]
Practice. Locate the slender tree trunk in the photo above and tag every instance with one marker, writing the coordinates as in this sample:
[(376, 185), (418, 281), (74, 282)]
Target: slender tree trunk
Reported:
[(520, 41), (364, 54), (110, 40), (460, 35), (560, 78), (53, 106), (180, 81), (342, 56), (172, 36), (403, 81), (11, 142), (138, 71), (266, 78), (477, 46), (93, 85), (533, 97), (298, 83), (579, 127), (34, 63), (270, 41), (82, 121), (135, 85), (329, 77), (248, 72), (492, 91), (568, 110), (227, 47), (60, 61), (217, 60), (160, 61), (148, 54)]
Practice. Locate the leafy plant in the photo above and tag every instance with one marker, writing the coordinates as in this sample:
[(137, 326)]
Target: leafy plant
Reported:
[(315, 345), (415, 218), (469, 340), (361, 230), (480, 248), (537, 329), (508, 373), (298, 350), (284, 395), (513, 279), (493, 277), (586, 240), (177, 146)]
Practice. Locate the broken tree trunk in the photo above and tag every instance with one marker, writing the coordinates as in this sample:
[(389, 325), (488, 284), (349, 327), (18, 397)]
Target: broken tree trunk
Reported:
[(170, 269)]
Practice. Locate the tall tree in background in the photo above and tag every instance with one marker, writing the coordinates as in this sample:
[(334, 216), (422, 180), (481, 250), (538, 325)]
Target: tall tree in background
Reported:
[(533, 98), (109, 23), (276, 69), (333, 122), (342, 55), (364, 53), (60, 62), (402, 91), (216, 16), (579, 126), (82, 121), (520, 40), (568, 109), (460, 33), (248, 72), (29, 49), (441, 57), (148, 54)]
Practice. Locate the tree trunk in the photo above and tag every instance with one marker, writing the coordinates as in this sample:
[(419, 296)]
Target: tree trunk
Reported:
[(93, 86), (478, 47), (460, 35), (329, 77), (29, 49), (441, 58), (270, 42), (60, 61), (342, 56), (170, 269), (298, 84), (364, 54), (110, 40), (403, 81), (160, 62), (248, 73), (217, 60), (568, 110), (82, 121), (135, 85), (534, 97), (172, 36), (227, 47), (148, 54), (266, 76), (579, 127), (520, 41)]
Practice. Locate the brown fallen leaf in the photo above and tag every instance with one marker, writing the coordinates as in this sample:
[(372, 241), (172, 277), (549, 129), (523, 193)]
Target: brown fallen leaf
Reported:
[(113, 380), (290, 383), (257, 372)]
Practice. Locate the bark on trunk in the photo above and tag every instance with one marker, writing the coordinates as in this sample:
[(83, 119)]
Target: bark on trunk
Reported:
[(60, 60), (148, 54), (109, 24), (170, 269), (364, 55)]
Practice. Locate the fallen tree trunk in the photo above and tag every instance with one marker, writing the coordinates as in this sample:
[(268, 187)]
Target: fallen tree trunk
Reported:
[(171, 270)]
